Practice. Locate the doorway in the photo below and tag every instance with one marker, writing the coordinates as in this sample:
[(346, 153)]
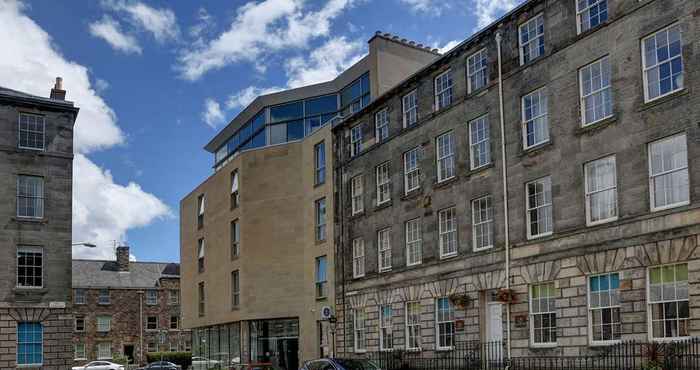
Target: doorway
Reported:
[(494, 332), (129, 352)]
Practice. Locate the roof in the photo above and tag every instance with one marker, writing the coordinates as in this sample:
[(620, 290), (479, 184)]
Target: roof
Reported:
[(22, 96), (106, 274)]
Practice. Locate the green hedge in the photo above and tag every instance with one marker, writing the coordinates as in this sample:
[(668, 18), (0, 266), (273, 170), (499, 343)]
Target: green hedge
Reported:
[(184, 359)]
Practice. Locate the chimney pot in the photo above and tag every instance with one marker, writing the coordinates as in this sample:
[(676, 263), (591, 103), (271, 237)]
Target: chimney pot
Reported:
[(123, 258), (57, 91)]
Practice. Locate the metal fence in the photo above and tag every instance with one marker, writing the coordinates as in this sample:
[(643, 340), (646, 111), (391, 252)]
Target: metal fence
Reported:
[(628, 355)]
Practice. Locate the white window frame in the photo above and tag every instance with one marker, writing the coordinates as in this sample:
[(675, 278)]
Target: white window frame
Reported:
[(551, 310), (355, 140), (383, 179), (410, 324), (31, 131), (321, 277), (384, 249), (357, 331), (409, 108), (37, 199), (356, 195), (411, 169), (443, 90), (76, 319), (604, 64), (581, 13), (650, 319), (451, 320), (414, 241), (653, 176), (445, 156), (589, 193), (646, 68), (477, 60), (148, 323), (177, 322), (386, 330), (151, 301), (358, 258), (30, 250), (381, 125), (105, 326), (83, 296), (611, 306), (475, 146), (101, 350), (446, 234), (174, 297), (101, 296), (320, 163), (535, 120), (547, 183), (481, 222), (79, 355), (522, 45)]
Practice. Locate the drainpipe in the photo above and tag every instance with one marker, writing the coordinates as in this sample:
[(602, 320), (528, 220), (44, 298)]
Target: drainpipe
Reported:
[(140, 293), (499, 38)]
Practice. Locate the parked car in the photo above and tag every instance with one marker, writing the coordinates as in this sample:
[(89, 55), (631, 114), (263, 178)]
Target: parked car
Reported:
[(161, 365), (340, 364), (99, 365), (201, 363)]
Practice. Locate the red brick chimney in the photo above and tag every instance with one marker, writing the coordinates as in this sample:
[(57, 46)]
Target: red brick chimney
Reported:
[(57, 92), (123, 257)]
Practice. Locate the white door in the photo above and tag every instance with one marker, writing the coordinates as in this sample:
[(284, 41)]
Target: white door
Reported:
[(494, 331)]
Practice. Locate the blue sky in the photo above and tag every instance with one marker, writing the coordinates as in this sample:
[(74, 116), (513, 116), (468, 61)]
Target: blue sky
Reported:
[(155, 80)]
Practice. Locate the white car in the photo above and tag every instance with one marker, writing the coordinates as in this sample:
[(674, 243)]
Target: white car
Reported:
[(99, 365), (201, 363)]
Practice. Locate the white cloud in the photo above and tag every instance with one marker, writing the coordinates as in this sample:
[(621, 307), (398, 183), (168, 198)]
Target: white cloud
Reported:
[(448, 46), (103, 210), (488, 11), (258, 29), (101, 85), (162, 23), (109, 30), (244, 97), (324, 63), (212, 115), (432, 7), (205, 23)]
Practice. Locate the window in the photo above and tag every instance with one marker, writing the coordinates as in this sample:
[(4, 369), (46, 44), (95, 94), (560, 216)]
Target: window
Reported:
[(29, 267), (104, 351), (601, 190), (356, 195), (152, 347), (30, 343), (235, 195), (591, 13), (30, 196), (201, 299), (79, 351), (359, 329), (604, 307), (79, 296), (151, 297), (200, 211), (531, 39), (477, 70), (200, 255), (103, 297), (535, 123), (355, 96), (355, 140), (413, 311), (543, 317), (539, 207), (31, 131), (235, 289), (414, 249), (445, 156), (482, 223), (384, 245), (235, 239), (80, 323), (320, 163), (381, 125), (443, 90), (151, 323), (358, 258), (668, 301), (596, 94), (410, 109), (668, 173), (104, 324), (479, 142), (174, 297), (386, 335), (447, 219), (663, 63), (321, 279), (445, 313), (411, 170), (321, 219), (383, 184)]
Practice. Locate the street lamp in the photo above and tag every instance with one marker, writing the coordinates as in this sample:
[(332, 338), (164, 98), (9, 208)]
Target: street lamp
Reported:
[(84, 244)]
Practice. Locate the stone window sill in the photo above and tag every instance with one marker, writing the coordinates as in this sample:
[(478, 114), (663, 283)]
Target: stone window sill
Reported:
[(597, 126), (664, 99)]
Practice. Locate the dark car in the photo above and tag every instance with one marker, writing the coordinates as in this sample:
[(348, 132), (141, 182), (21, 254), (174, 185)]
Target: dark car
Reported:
[(340, 364), (161, 365)]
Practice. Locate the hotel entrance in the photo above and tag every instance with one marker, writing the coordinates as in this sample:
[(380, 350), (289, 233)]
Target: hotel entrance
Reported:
[(275, 342)]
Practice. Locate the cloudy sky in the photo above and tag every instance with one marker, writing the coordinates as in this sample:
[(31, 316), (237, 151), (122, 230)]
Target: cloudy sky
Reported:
[(155, 80)]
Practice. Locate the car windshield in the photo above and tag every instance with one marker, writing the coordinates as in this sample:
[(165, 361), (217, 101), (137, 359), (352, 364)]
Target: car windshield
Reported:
[(351, 364)]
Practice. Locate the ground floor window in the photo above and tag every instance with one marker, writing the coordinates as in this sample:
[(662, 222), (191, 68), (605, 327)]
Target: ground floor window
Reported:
[(413, 310), (276, 342), (543, 317), (79, 351), (604, 307), (359, 329), (668, 301), (445, 323), (30, 343), (221, 343), (104, 351), (386, 339)]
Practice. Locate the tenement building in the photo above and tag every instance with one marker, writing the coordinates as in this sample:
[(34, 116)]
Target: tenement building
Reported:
[(257, 237), (538, 186), (36, 172), (125, 309)]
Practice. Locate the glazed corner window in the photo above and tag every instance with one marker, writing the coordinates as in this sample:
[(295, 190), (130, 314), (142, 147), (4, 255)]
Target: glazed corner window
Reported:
[(151, 323), (410, 109), (662, 62), (31, 131), (104, 324), (321, 219), (477, 70), (479, 142), (543, 317), (596, 93), (321, 279), (235, 239), (200, 255), (535, 122), (411, 170), (591, 13), (30, 344), (669, 184), (668, 301), (414, 248), (601, 190), (386, 327), (413, 335), (355, 140), (447, 220), (201, 299), (381, 125), (384, 249), (235, 289), (151, 297), (235, 194), (356, 193), (445, 323), (30, 196), (383, 183), (443, 90), (200, 211), (358, 258), (319, 163), (531, 39), (482, 223), (604, 307), (539, 207), (445, 156), (79, 296), (359, 329), (30, 266), (103, 297)]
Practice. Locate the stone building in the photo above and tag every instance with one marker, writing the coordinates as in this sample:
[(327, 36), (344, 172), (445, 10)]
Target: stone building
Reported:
[(587, 117), (36, 156), (126, 309), (257, 236)]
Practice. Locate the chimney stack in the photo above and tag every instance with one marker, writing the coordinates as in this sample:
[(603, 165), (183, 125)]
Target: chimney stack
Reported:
[(57, 92), (123, 258)]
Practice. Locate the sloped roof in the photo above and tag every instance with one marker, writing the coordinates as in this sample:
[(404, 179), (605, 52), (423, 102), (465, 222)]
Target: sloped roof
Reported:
[(106, 274), (14, 94)]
